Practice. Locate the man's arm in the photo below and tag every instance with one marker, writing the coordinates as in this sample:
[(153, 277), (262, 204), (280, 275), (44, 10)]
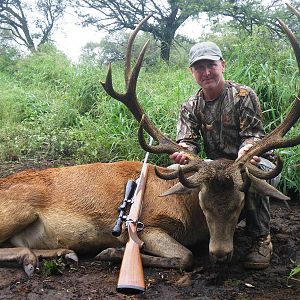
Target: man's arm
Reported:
[(188, 131), (251, 126)]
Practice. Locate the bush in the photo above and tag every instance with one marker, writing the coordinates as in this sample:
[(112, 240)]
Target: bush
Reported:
[(46, 68)]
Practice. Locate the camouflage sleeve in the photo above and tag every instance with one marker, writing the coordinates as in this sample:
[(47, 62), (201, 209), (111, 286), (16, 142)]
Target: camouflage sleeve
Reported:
[(188, 126), (251, 126)]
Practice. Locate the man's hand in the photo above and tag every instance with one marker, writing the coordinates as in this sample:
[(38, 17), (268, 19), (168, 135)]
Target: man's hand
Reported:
[(180, 157), (255, 159)]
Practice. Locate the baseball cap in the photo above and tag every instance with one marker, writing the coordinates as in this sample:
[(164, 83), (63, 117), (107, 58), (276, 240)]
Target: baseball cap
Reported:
[(204, 50)]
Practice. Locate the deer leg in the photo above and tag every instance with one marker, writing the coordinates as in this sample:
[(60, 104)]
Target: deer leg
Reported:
[(15, 220), (165, 251), (20, 254), (29, 257), (53, 253), (111, 254)]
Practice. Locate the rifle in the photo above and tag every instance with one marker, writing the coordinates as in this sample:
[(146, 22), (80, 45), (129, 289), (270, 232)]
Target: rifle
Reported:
[(131, 277)]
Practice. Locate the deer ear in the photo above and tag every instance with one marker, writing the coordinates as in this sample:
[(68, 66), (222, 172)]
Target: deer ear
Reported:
[(178, 188), (266, 189)]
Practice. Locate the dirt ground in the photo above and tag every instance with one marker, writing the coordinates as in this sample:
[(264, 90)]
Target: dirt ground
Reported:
[(97, 280)]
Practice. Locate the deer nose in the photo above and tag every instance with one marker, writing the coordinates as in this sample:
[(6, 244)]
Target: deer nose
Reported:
[(220, 256)]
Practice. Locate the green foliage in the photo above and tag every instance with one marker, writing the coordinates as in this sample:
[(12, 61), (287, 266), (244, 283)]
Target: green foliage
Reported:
[(45, 68), (54, 266), (8, 58), (51, 109), (294, 275), (112, 48)]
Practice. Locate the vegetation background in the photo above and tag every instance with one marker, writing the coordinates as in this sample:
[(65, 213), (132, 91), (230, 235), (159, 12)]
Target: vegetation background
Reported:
[(53, 109)]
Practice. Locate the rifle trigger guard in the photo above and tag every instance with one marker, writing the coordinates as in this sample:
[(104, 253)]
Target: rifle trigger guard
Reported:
[(139, 226)]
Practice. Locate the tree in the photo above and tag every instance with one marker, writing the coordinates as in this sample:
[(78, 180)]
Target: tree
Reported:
[(169, 15), (116, 15), (30, 25), (248, 14), (113, 47)]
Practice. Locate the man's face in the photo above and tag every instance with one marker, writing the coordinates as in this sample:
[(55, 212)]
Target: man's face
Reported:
[(208, 73)]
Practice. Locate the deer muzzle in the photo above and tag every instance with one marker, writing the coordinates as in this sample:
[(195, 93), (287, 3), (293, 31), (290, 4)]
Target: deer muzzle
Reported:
[(220, 252), (220, 257)]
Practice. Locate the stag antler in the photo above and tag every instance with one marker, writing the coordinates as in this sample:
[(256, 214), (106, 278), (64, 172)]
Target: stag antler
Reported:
[(129, 98), (275, 139)]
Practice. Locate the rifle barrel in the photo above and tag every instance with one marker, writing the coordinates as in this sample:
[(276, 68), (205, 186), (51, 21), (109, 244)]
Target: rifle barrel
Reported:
[(137, 205)]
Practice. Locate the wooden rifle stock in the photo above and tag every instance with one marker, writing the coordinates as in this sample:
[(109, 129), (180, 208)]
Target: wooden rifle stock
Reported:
[(131, 278)]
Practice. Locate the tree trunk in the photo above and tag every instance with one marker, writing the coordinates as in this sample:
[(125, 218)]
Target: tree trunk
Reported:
[(165, 46)]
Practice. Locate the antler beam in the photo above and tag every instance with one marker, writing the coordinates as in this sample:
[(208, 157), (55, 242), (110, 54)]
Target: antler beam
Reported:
[(129, 98)]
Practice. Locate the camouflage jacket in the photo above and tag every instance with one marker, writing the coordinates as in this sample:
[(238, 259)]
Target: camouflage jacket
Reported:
[(224, 124)]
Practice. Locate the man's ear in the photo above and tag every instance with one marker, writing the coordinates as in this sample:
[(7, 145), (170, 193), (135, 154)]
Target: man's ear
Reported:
[(192, 71), (223, 65)]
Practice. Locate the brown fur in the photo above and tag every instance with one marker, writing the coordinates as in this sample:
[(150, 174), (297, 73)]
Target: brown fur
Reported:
[(76, 208)]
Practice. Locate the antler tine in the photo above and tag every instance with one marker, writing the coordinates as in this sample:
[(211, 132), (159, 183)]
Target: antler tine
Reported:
[(293, 40), (262, 174), (175, 173), (131, 39), (129, 98), (108, 86), (275, 140), (294, 11), (191, 182), (131, 83)]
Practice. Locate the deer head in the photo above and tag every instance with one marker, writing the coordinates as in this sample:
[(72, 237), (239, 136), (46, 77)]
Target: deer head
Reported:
[(221, 183)]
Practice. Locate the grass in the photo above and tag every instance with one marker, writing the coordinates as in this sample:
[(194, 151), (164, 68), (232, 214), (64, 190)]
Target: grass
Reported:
[(55, 266), (294, 276)]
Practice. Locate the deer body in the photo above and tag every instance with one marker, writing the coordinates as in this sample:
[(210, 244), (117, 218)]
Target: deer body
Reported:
[(76, 207), (63, 207)]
